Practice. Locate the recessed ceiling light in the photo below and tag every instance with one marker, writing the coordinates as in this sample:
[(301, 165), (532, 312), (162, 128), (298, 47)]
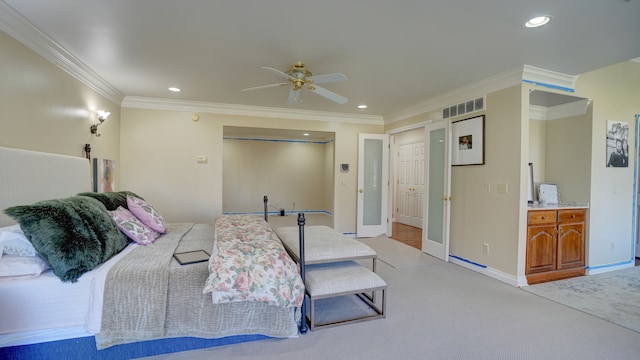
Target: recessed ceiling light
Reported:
[(363, 106), (306, 134), (538, 21), (174, 89)]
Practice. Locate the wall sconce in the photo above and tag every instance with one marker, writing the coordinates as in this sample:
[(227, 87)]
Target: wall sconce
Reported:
[(102, 116)]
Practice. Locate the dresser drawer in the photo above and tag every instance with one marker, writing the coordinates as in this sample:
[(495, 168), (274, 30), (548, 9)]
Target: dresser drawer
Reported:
[(571, 216), (539, 217)]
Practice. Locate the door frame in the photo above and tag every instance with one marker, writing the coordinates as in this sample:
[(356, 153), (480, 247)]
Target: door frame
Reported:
[(636, 213), (392, 188)]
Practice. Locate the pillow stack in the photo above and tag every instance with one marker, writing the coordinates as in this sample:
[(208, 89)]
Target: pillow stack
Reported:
[(72, 235), (140, 221), (75, 234)]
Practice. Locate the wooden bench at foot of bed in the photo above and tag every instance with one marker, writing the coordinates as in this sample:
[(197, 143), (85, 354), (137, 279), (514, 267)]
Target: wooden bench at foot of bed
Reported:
[(336, 279)]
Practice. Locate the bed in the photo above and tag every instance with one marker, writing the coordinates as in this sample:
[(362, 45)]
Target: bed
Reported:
[(140, 301)]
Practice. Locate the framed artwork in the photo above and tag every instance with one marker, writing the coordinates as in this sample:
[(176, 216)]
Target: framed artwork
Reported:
[(617, 144), (548, 194), (104, 175), (467, 141)]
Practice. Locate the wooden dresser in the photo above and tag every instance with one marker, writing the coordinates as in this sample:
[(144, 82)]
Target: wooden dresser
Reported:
[(555, 244)]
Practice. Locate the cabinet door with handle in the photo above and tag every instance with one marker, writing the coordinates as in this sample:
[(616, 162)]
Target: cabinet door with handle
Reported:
[(541, 249), (570, 246)]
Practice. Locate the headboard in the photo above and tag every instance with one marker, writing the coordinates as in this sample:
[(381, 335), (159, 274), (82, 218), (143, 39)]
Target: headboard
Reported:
[(29, 176)]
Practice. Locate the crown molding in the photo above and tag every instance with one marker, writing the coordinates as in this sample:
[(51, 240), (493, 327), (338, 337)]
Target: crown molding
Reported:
[(526, 73), (16, 26), (479, 88), (550, 79), (574, 108), (245, 110)]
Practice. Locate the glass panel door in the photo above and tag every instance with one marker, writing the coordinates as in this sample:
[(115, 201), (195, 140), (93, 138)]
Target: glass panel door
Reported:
[(436, 228), (373, 184)]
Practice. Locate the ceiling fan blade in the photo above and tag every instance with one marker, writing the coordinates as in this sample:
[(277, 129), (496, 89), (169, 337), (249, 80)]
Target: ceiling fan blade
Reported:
[(329, 95), (294, 96), (322, 79), (265, 86), (279, 73)]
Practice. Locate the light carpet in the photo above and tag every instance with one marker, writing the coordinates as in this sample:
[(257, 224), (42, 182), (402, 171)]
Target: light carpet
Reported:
[(399, 255), (613, 296)]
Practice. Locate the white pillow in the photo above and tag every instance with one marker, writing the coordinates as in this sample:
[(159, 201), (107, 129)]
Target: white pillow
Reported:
[(12, 265), (14, 242)]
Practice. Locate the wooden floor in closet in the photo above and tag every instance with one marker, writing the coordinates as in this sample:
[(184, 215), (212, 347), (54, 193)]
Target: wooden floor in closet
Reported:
[(406, 234)]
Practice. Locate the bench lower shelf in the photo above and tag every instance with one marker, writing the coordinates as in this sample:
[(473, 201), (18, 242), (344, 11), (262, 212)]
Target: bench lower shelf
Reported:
[(333, 280)]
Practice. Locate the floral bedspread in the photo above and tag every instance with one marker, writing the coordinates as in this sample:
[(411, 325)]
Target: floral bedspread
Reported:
[(249, 263)]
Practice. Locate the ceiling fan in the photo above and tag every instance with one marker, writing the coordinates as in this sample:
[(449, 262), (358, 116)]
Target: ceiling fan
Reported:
[(299, 77)]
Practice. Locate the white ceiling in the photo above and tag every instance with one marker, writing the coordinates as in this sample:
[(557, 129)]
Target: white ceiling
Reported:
[(396, 54)]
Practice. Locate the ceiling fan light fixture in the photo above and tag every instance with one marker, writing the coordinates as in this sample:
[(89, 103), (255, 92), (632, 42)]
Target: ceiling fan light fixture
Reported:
[(538, 21), (299, 77)]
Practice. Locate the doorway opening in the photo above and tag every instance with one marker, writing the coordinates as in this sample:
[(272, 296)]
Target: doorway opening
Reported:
[(408, 166)]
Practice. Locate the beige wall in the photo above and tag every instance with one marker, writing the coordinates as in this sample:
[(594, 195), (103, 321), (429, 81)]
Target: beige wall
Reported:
[(615, 93), (161, 147), (330, 170), (287, 172), (43, 108), (538, 149), (479, 218), (567, 160)]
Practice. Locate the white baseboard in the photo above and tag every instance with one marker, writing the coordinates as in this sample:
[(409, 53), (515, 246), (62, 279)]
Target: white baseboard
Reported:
[(604, 269), (492, 273)]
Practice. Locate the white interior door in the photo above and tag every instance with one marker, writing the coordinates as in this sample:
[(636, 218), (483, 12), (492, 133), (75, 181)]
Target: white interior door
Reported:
[(403, 180), (410, 181), (435, 231), (373, 184), (417, 184)]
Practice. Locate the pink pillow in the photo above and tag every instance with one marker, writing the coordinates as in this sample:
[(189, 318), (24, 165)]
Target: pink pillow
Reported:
[(132, 227), (146, 213)]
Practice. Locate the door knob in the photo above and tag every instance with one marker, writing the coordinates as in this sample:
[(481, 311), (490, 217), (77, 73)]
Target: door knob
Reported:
[(361, 191)]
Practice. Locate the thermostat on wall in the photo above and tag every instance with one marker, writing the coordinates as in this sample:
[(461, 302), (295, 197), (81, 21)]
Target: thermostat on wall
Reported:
[(344, 167)]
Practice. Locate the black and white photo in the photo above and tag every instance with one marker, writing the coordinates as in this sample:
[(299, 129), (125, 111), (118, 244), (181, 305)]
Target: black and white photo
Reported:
[(617, 144)]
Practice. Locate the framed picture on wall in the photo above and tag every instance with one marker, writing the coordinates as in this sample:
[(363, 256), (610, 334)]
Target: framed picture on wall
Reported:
[(104, 175), (467, 141), (617, 144)]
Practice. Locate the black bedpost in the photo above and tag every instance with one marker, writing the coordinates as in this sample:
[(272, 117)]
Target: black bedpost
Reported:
[(266, 213), (303, 309)]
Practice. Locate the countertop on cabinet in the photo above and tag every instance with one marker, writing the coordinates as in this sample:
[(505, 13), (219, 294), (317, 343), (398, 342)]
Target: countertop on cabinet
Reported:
[(562, 206)]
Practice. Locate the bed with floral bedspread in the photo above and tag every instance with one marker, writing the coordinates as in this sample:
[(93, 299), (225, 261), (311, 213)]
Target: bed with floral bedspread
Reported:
[(249, 263), (254, 284)]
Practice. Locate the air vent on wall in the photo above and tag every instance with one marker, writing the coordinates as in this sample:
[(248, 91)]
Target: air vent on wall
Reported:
[(463, 108)]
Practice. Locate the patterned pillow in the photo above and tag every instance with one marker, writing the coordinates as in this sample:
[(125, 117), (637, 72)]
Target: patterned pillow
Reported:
[(132, 227), (146, 214), (14, 242)]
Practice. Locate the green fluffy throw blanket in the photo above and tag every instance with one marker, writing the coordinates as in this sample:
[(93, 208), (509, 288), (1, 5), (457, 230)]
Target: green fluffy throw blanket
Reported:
[(111, 200), (73, 235)]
